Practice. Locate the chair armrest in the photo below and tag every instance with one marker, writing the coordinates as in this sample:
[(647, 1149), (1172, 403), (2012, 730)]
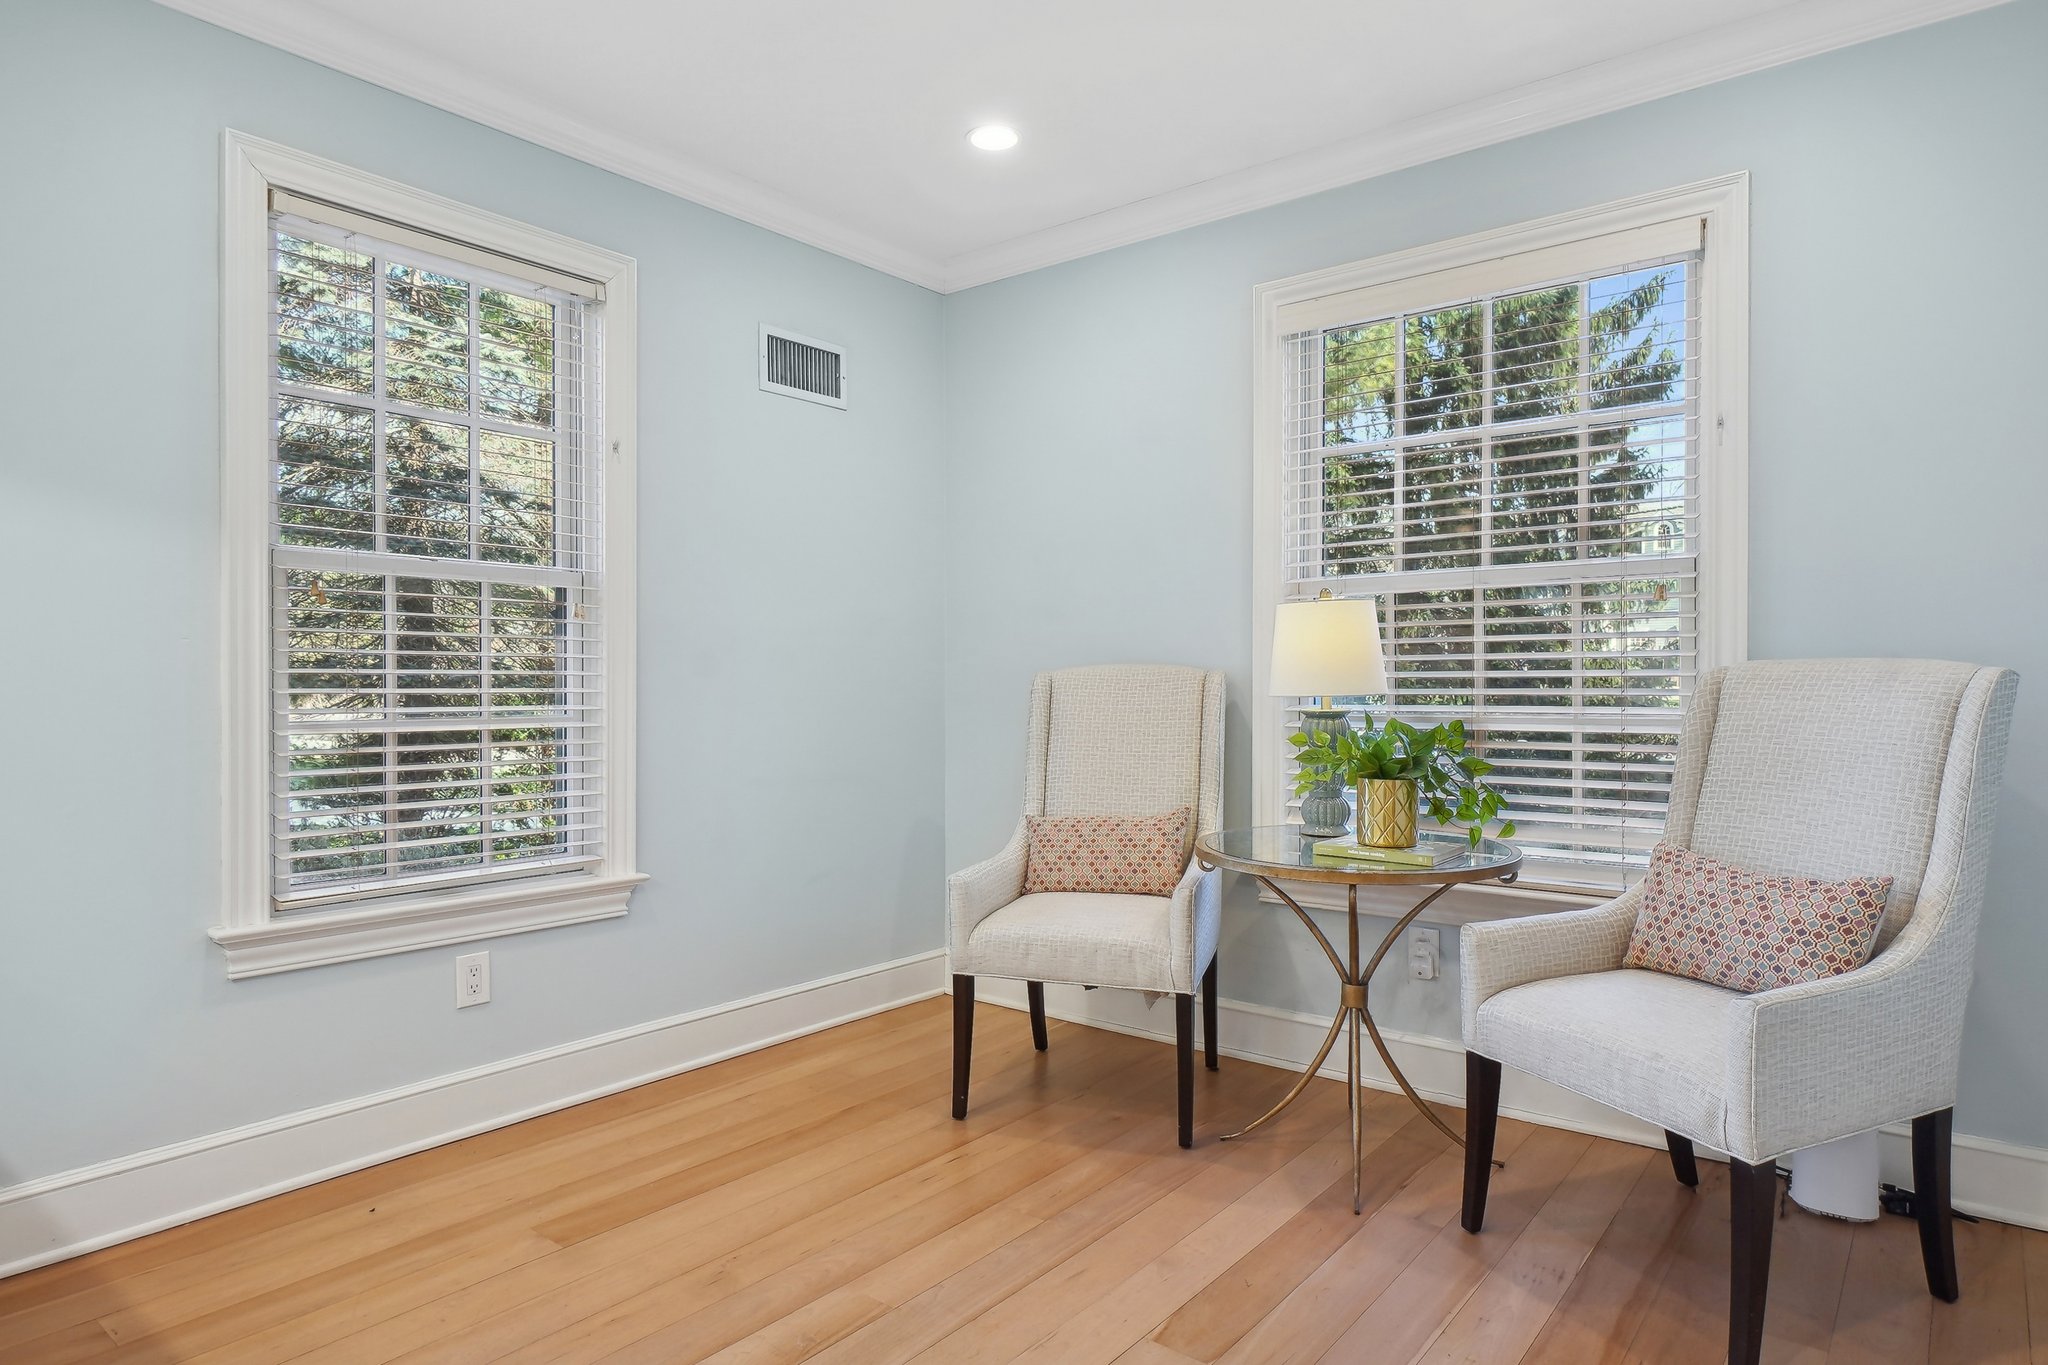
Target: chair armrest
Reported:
[(1502, 954), (1196, 918), (1831, 1058), (975, 893)]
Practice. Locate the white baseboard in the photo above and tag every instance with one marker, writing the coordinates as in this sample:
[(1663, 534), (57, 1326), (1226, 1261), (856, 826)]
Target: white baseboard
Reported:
[(2002, 1181), (1996, 1180), (82, 1210)]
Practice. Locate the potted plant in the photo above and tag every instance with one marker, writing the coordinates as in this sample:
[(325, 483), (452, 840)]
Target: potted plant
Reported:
[(1399, 770)]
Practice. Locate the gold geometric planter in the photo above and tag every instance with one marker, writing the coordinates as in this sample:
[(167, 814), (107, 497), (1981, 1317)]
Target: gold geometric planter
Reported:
[(1386, 812)]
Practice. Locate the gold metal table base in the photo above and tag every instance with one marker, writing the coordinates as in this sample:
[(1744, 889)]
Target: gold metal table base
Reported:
[(1354, 1009)]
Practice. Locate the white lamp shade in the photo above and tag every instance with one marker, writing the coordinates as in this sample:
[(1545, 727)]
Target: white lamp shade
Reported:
[(1329, 648)]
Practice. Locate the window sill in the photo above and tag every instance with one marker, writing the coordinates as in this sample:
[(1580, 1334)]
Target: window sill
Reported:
[(401, 926), (1465, 904)]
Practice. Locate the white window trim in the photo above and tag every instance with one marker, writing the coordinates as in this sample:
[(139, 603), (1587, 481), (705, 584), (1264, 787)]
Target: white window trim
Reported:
[(1722, 205), (256, 940)]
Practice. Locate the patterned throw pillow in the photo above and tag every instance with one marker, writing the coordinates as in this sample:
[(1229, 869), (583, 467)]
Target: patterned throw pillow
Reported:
[(1750, 931), (1133, 855)]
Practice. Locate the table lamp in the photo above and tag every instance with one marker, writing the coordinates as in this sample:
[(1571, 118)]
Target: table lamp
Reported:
[(1326, 649)]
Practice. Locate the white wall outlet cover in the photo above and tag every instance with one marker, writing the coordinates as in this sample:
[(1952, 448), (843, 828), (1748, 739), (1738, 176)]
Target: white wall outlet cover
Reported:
[(472, 979), (1422, 954)]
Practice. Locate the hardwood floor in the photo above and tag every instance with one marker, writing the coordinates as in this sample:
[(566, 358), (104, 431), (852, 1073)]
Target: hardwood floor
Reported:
[(817, 1202)]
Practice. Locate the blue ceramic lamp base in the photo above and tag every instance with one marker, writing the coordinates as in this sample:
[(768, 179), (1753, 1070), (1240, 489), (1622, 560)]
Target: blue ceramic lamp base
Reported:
[(1325, 813)]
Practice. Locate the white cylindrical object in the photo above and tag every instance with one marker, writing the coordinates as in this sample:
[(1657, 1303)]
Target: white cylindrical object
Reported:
[(1838, 1178)]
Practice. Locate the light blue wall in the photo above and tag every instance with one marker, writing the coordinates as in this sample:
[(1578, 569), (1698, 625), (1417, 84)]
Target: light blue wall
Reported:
[(1100, 426), (789, 633)]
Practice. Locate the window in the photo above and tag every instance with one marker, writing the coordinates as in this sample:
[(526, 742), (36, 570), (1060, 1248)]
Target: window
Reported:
[(440, 573), (1524, 457)]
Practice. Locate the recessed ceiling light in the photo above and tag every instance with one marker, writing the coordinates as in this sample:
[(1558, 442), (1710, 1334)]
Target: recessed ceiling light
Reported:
[(993, 137)]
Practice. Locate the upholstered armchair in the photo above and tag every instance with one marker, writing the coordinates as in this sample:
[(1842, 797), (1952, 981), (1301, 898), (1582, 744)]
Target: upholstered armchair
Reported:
[(1118, 740), (1824, 768)]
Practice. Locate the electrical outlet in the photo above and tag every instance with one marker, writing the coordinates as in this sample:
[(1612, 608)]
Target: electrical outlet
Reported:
[(472, 979), (1422, 954)]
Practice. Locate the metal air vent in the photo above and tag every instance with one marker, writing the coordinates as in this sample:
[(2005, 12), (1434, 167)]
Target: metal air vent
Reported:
[(803, 367)]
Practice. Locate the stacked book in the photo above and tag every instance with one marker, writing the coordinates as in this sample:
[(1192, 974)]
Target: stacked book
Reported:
[(1428, 851)]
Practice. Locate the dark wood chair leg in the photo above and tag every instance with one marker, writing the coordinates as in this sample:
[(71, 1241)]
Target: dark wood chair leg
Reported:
[(1682, 1164), (1209, 1015), (963, 1040), (1036, 990), (1753, 1191), (1482, 1116), (1184, 1046), (1933, 1135)]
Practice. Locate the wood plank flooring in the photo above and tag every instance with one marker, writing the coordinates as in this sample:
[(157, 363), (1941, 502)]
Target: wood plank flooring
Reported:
[(816, 1202)]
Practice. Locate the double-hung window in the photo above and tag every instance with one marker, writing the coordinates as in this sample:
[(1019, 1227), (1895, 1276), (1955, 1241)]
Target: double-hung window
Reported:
[(439, 579), (1519, 446)]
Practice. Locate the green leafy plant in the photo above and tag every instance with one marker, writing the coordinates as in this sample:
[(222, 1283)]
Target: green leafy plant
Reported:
[(1449, 781)]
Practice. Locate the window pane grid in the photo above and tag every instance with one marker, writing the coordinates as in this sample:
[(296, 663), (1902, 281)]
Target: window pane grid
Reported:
[(436, 576), (1515, 477)]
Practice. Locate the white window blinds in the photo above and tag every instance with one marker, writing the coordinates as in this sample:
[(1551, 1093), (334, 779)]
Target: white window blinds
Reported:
[(1507, 457), (436, 566)]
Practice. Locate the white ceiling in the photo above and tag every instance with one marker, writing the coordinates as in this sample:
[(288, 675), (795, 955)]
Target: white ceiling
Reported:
[(844, 124)]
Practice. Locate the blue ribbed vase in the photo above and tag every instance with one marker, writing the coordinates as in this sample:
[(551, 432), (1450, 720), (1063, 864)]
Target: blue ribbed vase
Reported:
[(1324, 811)]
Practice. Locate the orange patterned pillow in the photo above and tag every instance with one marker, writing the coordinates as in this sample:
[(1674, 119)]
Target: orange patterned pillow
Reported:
[(1750, 931), (1133, 855)]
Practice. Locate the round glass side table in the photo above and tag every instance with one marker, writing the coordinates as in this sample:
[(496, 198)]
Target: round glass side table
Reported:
[(1272, 854)]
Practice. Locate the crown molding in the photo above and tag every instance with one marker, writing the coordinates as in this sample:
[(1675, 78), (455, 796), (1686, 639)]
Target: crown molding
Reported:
[(1735, 49), (304, 32), (1719, 54)]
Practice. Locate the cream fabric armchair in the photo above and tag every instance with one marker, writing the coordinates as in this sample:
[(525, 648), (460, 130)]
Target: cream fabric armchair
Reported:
[(1116, 740), (1825, 768)]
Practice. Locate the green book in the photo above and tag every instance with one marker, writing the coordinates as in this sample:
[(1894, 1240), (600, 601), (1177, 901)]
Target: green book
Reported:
[(1426, 853)]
